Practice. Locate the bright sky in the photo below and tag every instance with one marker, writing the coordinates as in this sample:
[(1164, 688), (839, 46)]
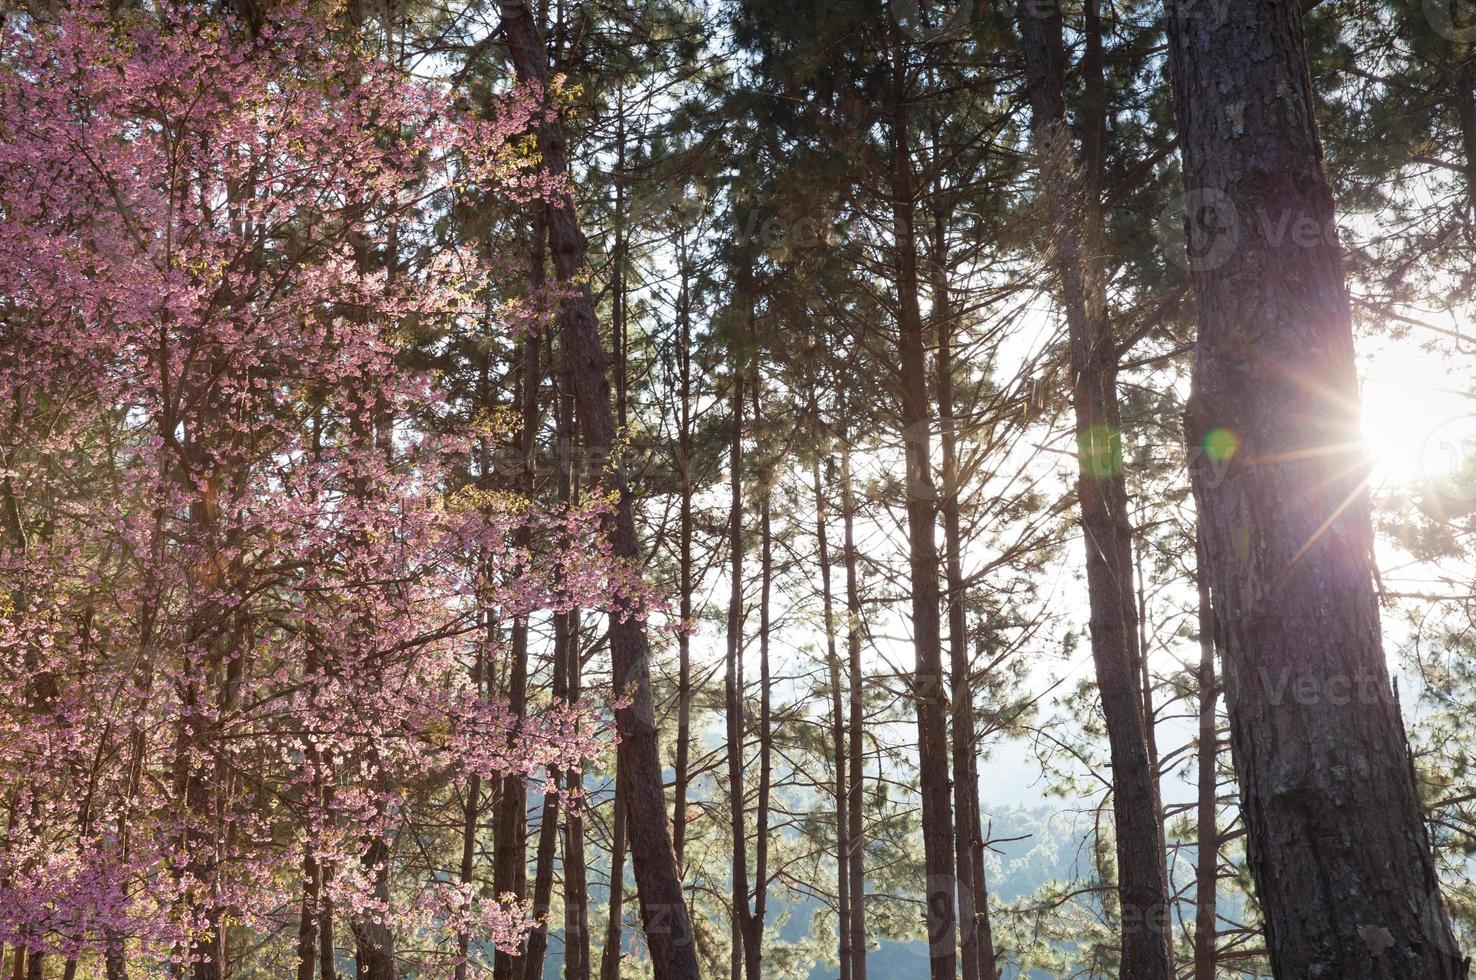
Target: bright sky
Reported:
[(1418, 415)]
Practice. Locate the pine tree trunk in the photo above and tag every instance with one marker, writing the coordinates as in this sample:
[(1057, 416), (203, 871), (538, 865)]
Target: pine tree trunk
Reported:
[(374, 943), (531, 965), (1069, 186), (1336, 843), (837, 736), (663, 905), (733, 687), (312, 874), (1207, 866), (855, 777), (567, 655), (510, 857), (115, 961), (470, 818), (327, 956), (307, 925), (754, 934), (610, 957), (976, 937), (576, 889), (929, 691), (684, 641), (1466, 113)]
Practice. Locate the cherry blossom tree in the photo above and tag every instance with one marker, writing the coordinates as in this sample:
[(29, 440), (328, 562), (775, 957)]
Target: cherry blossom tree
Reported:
[(245, 584)]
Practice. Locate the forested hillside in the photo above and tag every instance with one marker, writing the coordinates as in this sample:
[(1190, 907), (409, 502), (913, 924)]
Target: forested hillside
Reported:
[(810, 489)]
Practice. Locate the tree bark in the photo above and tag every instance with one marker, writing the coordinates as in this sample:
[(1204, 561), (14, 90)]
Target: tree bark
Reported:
[(1336, 843), (1069, 186), (663, 906)]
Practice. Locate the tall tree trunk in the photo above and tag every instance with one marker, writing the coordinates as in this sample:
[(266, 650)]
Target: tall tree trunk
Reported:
[(1207, 865), (837, 736), (1465, 96), (1069, 185), (567, 655), (733, 686), (115, 961), (510, 858), (976, 937), (753, 936), (327, 954), (576, 889), (1336, 843), (663, 906), (855, 777), (929, 692), (536, 948), (531, 965), (312, 872), (684, 641), (610, 957), (471, 813), (307, 924)]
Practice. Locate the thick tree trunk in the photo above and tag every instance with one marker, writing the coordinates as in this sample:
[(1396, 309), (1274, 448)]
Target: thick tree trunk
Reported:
[(374, 943), (115, 961), (855, 776), (663, 905), (1069, 187), (929, 691), (1207, 865), (1336, 843)]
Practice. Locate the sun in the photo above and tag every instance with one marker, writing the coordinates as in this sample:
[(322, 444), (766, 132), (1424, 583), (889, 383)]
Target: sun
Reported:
[(1419, 423)]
